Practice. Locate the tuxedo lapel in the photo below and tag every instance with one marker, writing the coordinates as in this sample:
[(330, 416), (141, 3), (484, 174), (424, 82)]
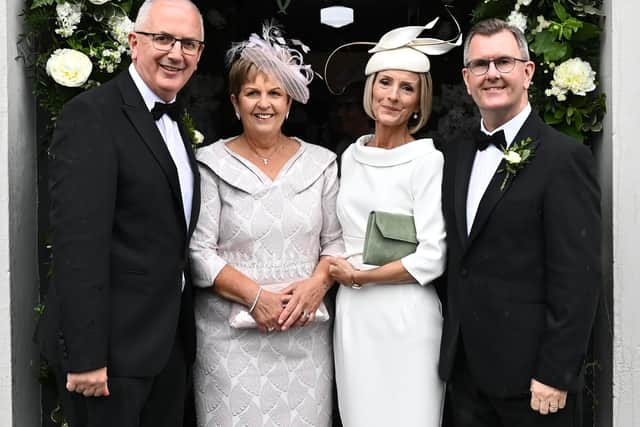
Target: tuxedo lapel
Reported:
[(493, 193), (195, 204), (142, 120), (466, 154)]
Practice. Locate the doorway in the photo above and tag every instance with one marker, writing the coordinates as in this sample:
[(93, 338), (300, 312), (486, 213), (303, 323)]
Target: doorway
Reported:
[(333, 121)]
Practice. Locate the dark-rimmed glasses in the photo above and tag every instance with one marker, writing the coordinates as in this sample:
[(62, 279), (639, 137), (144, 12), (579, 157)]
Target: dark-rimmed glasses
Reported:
[(504, 64), (165, 42)]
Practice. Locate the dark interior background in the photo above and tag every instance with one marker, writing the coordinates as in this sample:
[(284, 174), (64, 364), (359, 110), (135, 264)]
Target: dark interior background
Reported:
[(328, 120)]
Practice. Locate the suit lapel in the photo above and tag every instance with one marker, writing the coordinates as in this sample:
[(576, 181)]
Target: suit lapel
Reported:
[(466, 153), (135, 108), (493, 194), (195, 204)]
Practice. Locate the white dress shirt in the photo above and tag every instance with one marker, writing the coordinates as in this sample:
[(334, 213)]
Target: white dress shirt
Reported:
[(171, 134), (486, 163)]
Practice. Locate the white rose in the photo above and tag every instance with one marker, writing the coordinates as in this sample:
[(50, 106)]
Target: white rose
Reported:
[(574, 75), (99, 2), (512, 157), (198, 137), (518, 20), (69, 67)]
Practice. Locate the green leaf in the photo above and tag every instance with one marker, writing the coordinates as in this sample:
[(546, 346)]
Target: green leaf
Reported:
[(572, 132), (561, 12), (556, 52), (587, 32), (42, 3), (550, 118)]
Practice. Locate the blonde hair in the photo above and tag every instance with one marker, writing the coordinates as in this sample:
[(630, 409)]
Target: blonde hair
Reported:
[(425, 99)]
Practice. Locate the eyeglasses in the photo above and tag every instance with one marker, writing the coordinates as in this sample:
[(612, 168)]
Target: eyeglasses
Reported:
[(165, 42), (504, 64)]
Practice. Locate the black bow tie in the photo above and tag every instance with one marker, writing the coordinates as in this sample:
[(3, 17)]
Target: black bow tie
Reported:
[(483, 140), (172, 110)]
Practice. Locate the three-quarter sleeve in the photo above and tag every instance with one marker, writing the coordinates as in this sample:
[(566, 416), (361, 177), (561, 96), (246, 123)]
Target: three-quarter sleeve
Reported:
[(331, 242), (428, 261), (203, 248)]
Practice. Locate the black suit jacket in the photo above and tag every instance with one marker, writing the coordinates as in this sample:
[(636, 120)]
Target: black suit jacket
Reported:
[(119, 238), (522, 288)]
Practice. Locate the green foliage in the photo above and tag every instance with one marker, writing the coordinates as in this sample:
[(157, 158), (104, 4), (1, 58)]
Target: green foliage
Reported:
[(557, 31)]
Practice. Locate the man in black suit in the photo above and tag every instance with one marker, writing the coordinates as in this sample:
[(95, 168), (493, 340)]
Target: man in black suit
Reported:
[(524, 251), (124, 189)]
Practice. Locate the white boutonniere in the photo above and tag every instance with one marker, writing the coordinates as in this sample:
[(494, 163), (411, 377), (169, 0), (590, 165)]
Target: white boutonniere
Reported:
[(515, 158), (194, 134)]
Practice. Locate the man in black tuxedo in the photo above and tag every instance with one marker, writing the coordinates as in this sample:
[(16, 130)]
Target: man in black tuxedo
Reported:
[(524, 254), (124, 188)]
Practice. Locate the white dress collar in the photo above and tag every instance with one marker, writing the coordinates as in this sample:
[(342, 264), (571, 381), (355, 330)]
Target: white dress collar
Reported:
[(382, 157)]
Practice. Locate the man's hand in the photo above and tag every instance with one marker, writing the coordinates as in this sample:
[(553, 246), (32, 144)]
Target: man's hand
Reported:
[(89, 383), (546, 399)]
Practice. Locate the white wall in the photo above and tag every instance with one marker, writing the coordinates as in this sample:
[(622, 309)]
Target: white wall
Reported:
[(19, 389), (622, 83)]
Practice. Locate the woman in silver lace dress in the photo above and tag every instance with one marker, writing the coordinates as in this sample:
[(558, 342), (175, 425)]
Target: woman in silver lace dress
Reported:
[(267, 223)]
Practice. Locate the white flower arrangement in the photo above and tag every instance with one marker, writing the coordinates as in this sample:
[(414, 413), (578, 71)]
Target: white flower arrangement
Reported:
[(98, 29), (573, 75), (68, 17), (69, 67)]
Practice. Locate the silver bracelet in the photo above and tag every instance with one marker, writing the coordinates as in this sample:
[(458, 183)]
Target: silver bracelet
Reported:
[(255, 301)]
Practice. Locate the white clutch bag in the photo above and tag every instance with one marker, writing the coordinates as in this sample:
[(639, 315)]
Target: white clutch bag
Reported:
[(240, 318)]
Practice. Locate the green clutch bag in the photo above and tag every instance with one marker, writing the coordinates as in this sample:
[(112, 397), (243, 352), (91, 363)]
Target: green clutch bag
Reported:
[(389, 237)]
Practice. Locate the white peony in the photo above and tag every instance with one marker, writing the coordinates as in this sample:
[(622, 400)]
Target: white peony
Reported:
[(99, 2), (512, 157), (573, 75), (68, 17), (518, 20), (68, 67)]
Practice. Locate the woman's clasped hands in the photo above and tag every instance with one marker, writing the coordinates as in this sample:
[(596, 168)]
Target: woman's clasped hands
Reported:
[(294, 305)]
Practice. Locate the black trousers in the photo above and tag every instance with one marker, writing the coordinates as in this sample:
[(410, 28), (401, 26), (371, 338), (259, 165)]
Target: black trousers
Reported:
[(468, 406), (133, 402)]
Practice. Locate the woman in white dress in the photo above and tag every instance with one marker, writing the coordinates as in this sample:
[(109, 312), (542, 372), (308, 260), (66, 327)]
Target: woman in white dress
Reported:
[(267, 221), (389, 318)]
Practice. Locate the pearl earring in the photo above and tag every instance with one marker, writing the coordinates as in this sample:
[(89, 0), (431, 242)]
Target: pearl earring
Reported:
[(415, 116), (237, 115)]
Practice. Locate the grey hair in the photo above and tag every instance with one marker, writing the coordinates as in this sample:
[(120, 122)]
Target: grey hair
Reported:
[(143, 13), (426, 98), (490, 27)]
